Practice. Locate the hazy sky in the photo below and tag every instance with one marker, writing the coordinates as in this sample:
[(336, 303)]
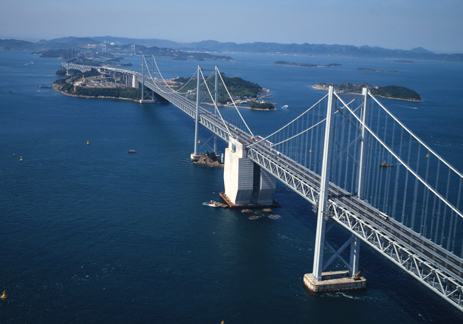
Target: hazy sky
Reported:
[(435, 25)]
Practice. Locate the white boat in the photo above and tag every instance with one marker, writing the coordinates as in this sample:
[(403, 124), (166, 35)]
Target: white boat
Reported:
[(211, 203)]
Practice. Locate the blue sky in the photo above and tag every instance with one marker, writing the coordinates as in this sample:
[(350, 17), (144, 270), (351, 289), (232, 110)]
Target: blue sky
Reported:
[(405, 24)]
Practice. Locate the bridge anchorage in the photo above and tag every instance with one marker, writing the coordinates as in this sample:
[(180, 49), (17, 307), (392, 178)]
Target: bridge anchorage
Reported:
[(356, 163)]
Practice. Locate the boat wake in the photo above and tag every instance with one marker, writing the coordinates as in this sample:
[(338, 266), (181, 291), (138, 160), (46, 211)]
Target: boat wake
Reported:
[(407, 107)]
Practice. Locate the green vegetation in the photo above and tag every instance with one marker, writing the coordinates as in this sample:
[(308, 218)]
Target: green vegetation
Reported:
[(306, 65), (237, 87), (396, 92), (92, 72), (391, 92), (60, 81), (261, 105), (126, 93), (60, 73)]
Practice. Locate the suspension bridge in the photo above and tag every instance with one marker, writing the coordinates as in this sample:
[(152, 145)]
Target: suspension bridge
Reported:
[(347, 155)]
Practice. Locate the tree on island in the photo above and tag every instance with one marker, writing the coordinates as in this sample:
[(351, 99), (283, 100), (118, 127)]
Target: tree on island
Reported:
[(261, 105)]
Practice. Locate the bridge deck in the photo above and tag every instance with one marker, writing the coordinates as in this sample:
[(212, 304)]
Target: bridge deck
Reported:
[(433, 265)]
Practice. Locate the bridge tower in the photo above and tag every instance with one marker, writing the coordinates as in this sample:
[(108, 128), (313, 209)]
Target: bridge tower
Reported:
[(319, 281), (147, 66), (201, 95)]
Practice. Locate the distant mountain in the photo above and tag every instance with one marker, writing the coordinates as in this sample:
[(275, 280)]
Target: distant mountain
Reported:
[(325, 50), (17, 45), (137, 41), (421, 50), (418, 53), (72, 41)]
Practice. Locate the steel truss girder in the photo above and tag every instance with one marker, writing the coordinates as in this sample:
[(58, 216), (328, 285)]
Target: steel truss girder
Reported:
[(438, 280), (285, 176)]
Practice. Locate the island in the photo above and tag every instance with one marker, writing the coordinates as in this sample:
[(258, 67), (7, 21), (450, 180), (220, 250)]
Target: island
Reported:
[(374, 70), (92, 84), (244, 93), (306, 65), (388, 92), (403, 61), (113, 53), (210, 159), (262, 105)]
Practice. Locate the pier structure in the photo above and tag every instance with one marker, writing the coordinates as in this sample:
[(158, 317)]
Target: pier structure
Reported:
[(246, 183)]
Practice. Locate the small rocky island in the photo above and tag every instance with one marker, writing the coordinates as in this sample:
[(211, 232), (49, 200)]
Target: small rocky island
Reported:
[(210, 159), (306, 65), (374, 70), (388, 92)]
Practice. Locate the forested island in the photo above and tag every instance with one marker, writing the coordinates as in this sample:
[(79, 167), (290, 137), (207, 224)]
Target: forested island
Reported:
[(374, 70), (306, 65), (242, 91), (388, 92), (262, 105)]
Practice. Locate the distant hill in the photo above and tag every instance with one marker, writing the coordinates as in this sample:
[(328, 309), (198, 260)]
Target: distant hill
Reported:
[(69, 47), (418, 53), (326, 50)]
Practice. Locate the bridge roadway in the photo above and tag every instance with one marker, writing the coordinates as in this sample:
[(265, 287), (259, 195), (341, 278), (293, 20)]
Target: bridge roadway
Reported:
[(431, 264), (337, 196)]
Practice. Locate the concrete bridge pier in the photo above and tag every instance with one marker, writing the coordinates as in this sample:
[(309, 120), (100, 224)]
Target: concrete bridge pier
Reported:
[(246, 184)]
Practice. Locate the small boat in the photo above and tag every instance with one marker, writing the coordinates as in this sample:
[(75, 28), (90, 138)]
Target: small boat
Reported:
[(4, 295), (246, 211), (267, 210), (253, 217), (274, 216), (132, 151), (21, 159), (384, 164), (212, 203)]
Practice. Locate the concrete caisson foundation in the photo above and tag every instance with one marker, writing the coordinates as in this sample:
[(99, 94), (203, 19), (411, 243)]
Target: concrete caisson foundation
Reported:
[(245, 182), (334, 281)]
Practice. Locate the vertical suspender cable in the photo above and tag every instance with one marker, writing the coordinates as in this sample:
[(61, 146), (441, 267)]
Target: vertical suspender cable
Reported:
[(406, 182), (415, 193)]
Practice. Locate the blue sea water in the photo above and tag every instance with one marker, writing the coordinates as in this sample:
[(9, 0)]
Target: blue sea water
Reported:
[(93, 234)]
